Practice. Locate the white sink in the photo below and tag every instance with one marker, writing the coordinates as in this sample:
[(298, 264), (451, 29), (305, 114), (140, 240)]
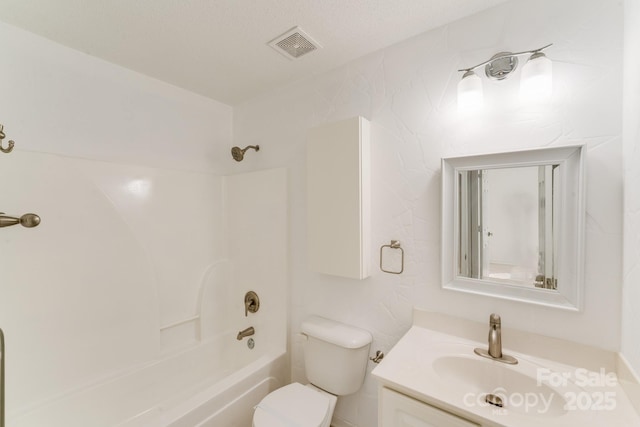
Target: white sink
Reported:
[(441, 370), (513, 384)]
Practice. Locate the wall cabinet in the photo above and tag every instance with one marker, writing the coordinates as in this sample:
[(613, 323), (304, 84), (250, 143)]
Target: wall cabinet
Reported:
[(398, 410), (338, 198)]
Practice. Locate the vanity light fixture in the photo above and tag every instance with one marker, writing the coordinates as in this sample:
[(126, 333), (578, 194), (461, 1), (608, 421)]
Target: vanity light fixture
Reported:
[(470, 95), (535, 83)]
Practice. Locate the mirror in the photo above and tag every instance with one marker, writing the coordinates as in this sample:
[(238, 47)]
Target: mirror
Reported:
[(513, 223), (506, 218)]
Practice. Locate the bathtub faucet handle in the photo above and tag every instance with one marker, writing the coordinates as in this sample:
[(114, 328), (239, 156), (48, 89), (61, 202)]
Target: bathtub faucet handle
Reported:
[(251, 303)]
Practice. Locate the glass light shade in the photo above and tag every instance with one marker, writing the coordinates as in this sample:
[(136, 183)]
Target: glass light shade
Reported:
[(470, 95), (536, 79)]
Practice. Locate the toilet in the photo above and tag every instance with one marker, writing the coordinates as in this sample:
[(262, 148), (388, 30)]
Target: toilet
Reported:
[(335, 357)]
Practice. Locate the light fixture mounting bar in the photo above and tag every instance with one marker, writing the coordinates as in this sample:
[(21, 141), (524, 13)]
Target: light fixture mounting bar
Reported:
[(506, 55)]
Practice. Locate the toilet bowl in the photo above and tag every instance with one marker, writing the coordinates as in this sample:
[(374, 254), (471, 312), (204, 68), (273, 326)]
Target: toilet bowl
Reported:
[(336, 357), (295, 405)]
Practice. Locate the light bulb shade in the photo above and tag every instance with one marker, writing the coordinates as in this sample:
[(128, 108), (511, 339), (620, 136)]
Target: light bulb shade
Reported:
[(536, 79), (470, 95)]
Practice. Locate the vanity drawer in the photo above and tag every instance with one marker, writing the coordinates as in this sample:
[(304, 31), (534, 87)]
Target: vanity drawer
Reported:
[(398, 410)]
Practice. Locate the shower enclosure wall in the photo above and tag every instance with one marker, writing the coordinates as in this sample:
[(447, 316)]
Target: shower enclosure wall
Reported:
[(129, 295), (123, 305)]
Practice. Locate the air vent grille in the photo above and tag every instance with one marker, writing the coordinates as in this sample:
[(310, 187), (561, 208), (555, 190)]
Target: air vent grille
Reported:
[(294, 43)]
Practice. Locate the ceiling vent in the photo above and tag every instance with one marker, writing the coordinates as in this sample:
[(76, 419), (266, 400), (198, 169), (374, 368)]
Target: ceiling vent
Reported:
[(294, 43)]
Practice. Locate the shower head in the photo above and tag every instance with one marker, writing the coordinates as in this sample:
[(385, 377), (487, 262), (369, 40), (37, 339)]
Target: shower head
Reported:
[(238, 153)]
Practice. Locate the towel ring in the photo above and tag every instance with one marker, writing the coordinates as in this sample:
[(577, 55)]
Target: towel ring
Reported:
[(394, 245)]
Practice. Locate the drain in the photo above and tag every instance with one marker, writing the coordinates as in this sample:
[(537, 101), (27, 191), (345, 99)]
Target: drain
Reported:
[(494, 400), (251, 343)]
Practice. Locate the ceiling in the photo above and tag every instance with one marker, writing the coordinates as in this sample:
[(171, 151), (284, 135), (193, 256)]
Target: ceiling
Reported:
[(219, 48)]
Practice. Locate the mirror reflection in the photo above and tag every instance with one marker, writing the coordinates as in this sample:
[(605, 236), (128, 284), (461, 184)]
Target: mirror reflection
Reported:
[(507, 217), (513, 225)]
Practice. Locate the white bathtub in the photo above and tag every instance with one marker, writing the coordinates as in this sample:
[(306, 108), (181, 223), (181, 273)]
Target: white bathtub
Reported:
[(216, 384), (231, 401)]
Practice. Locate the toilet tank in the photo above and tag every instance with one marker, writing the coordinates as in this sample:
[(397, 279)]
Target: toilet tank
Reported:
[(335, 355)]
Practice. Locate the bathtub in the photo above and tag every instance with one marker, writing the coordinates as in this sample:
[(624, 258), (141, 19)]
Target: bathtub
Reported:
[(214, 384), (231, 401)]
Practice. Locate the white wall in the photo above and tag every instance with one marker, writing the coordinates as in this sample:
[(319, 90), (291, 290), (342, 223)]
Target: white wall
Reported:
[(512, 198), (256, 210), (631, 288), (57, 100), (121, 168), (408, 92)]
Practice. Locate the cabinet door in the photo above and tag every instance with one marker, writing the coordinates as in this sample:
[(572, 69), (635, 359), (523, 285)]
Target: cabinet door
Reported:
[(338, 198), (398, 410)]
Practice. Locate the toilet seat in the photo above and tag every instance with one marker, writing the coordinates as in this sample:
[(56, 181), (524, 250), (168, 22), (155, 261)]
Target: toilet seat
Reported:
[(294, 405)]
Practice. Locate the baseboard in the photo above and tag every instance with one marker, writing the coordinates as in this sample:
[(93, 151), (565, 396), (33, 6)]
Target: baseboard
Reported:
[(337, 422)]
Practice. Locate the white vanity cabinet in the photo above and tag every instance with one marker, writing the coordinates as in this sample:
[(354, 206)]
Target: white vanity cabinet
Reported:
[(399, 410)]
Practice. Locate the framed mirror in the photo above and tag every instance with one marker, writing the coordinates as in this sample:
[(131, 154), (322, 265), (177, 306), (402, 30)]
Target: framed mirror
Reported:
[(513, 225)]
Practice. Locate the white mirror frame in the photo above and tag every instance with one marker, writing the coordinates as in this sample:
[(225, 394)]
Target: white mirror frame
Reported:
[(570, 254)]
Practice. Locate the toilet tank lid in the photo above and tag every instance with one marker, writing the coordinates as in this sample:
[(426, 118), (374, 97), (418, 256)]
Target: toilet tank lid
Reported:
[(335, 332)]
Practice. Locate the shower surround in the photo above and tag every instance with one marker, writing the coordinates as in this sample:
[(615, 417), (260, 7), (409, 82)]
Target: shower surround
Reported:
[(148, 242)]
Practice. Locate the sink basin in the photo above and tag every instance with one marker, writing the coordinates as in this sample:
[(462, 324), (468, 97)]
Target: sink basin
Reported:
[(516, 385), (435, 363)]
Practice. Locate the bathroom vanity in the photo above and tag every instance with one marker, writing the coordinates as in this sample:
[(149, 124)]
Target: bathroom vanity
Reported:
[(433, 378)]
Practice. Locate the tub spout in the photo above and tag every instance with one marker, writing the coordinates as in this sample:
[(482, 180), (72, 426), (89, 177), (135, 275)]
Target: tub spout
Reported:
[(246, 333)]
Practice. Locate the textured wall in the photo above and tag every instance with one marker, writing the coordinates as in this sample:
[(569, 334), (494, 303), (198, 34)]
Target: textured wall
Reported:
[(631, 290), (408, 91)]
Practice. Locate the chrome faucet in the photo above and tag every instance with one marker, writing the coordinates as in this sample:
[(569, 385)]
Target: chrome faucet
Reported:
[(495, 336), (495, 343), (246, 333)]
